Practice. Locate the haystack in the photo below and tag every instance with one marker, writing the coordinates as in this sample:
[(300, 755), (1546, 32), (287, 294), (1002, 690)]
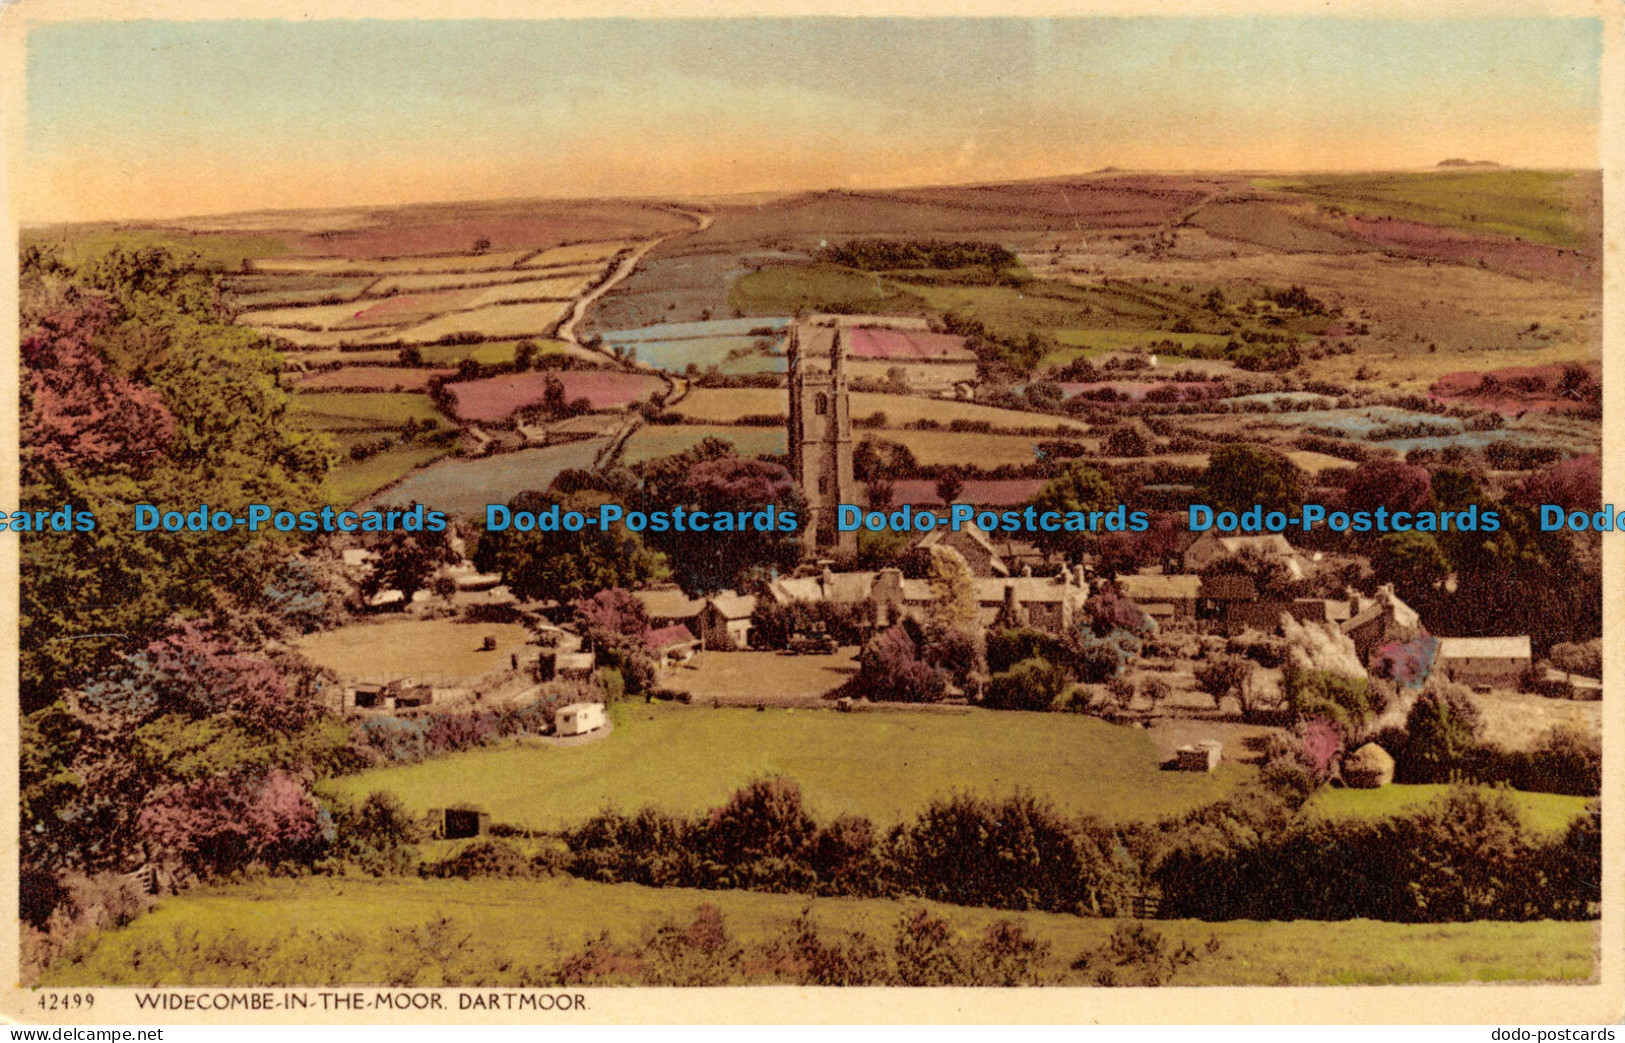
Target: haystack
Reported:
[(1368, 767)]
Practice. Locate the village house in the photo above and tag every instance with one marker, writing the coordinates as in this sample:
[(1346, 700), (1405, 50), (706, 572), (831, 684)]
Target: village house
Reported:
[(974, 545), (671, 645), (725, 622), (1052, 603), (1498, 662), (1222, 599), (1382, 620), (1163, 598)]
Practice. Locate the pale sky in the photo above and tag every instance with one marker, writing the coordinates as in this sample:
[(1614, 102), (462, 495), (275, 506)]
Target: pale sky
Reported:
[(149, 119)]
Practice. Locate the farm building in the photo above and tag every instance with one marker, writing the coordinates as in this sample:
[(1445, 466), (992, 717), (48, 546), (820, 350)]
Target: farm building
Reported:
[(578, 719), (458, 823), (1163, 598), (1502, 662), (1201, 756), (725, 622), (1266, 614), (973, 545), (671, 645), (1382, 620), (1222, 597)]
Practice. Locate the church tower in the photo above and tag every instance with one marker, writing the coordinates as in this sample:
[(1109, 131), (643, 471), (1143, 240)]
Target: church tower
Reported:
[(820, 434)]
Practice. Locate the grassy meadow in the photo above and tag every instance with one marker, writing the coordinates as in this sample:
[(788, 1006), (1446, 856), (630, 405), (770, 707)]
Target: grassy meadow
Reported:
[(318, 931), (1541, 812), (885, 765), (1529, 204)]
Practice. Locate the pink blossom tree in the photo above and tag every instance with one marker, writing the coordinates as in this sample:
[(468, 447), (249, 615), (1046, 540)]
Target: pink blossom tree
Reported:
[(76, 413)]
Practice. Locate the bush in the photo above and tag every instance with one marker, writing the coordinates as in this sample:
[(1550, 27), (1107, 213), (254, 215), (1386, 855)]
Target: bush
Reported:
[(1032, 684), (1006, 648), (1442, 731), (482, 858), (1015, 854)]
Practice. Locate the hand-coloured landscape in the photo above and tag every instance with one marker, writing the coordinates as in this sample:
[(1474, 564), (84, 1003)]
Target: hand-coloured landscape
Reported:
[(607, 757)]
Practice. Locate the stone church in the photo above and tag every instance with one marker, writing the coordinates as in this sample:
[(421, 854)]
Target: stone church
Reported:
[(820, 433)]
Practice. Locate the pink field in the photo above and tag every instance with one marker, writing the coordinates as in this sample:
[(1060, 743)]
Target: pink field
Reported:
[(1515, 388), (1006, 492), (909, 344), (370, 378), (412, 307), (1432, 242), (496, 397)]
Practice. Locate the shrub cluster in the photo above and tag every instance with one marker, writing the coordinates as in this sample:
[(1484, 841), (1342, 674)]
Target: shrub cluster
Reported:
[(1014, 854)]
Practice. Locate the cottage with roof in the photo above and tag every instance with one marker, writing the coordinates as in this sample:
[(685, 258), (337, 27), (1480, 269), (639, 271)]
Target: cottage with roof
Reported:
[(725, 622), (974, 545), (1382, 620), (1499, 662), (666, 606), (1163, 598), (1053, 603), (671, 645)]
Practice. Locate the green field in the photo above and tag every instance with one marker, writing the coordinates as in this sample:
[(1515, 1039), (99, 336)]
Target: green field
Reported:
[(325, 931), (490, 353), (653, 441), (363, 411), (790, 289), (222, 251), (883, 764), (351, 481), (1081, 343), (1531, 204), (1542, 812)]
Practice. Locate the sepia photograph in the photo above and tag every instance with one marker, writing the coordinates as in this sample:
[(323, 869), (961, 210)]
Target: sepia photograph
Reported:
[(512, 509)]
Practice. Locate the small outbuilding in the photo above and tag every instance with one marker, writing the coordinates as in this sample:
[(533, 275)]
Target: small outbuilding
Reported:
[(1201, 756), (1501, 662), (671, 645), (458, 823), (578, 719), (1369, 767)]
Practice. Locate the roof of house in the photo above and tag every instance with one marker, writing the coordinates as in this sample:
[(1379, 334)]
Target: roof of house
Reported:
[(669, 603), (1484, 647), (669, 637), (580, 706), (1229, 588), (1137, 587), (974, 533), (734, 606), (1270, 543), (1028, 589)]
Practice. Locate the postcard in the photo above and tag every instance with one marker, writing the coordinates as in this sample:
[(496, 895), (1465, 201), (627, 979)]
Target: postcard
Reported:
[(1062, 512)]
